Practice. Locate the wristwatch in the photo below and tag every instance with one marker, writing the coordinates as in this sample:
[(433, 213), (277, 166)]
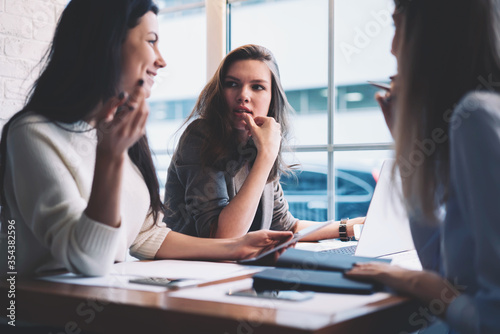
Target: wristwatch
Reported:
[(343, 230)]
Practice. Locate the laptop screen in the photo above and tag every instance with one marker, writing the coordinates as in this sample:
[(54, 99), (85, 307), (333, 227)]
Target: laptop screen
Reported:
[(386, 229)]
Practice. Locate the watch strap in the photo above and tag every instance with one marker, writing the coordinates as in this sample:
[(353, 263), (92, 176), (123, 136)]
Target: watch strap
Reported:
[(343, 230)]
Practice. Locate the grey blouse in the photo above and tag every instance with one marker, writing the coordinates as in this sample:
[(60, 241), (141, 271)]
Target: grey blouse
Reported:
[(195, 196)]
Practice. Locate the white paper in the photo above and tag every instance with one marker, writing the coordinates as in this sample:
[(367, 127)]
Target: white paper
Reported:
[(110, 281), (204, 270), (335, 302), (323, 245), (407, 260), (196, 272)]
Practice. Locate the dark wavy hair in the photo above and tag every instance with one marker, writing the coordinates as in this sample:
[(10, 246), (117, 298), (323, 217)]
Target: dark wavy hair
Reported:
[(83, 68), (446, 47), (211, 106)]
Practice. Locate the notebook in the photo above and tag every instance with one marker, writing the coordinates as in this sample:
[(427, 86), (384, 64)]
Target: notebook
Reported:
[(309, 260), (310, 280), (387, 229)]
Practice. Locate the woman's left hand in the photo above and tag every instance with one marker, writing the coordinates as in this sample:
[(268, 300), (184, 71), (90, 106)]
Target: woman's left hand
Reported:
[(350, 225), (394, 277), (423, 285), (255, 243)]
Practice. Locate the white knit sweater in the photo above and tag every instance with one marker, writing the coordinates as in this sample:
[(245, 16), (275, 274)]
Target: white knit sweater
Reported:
[(48, 180)]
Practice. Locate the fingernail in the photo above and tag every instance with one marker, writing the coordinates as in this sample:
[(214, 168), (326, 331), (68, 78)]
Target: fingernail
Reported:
[(141, 82), (121, 95)]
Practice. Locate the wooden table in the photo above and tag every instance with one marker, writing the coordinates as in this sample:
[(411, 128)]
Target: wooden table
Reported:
[(114, 310)]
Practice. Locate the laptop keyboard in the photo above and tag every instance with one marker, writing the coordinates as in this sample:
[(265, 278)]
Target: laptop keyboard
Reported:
[(348, 250)]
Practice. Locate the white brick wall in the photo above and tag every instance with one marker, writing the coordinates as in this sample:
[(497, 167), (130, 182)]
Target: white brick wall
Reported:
[(26, 28)]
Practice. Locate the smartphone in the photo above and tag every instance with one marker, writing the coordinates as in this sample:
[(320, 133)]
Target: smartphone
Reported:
[(382, 85), (290, 295), (165, 282), (296, 237)]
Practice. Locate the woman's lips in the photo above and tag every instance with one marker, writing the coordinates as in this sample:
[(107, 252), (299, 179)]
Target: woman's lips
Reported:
[(150, 80), (242, 109), (150, 76)]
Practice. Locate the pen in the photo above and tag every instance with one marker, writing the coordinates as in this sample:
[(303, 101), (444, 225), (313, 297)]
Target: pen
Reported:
[(384, 86)]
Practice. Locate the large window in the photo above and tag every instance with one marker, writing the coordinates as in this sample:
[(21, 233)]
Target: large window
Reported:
[(183, 46), (327, 51)]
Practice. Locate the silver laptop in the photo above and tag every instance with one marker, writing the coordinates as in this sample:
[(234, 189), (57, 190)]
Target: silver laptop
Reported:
[(386, 230)]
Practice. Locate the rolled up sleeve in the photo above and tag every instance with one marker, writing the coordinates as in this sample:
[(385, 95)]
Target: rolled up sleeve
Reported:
[(283, 220)]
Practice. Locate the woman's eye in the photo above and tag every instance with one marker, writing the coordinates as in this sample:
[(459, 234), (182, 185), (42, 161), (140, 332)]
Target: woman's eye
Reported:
[(259, 87), (230, 84), (153, 41)]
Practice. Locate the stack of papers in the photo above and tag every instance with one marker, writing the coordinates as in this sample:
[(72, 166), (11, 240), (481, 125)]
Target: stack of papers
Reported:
[(194, 272)]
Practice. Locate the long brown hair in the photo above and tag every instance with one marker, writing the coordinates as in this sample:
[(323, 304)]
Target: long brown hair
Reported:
[(83, 68), (448, 47), (211, 106)]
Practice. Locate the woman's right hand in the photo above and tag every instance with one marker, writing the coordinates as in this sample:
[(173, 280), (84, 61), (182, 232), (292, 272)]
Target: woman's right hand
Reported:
[(386, 102), (122, 122), (255, 243), (266, 134)]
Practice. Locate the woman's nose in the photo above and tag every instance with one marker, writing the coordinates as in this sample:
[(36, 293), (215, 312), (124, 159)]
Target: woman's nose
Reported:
[(243, 95), (160, 62)]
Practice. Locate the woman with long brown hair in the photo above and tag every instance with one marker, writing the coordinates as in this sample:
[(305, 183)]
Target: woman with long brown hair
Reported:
[(446, 126), (77, 181), (223, 180)]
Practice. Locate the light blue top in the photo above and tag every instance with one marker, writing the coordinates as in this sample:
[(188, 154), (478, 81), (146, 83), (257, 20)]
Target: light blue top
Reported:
[(470, 233)]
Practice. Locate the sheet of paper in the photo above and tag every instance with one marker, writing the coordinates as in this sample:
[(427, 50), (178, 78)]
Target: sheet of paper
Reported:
[(196, 272), (203, 270), (324, 303), (110, 281), (324, 245), (408, 260)]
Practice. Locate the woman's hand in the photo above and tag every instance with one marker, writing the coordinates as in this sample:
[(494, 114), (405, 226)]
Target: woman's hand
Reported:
[(396, 278), (266, 134), (122, 122), (236, 218), (350, 225), (387, 102), (424, 285), (255, 243)]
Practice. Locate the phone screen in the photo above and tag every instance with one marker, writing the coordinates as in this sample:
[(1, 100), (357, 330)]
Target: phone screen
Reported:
[(290, 295), (296, 237)]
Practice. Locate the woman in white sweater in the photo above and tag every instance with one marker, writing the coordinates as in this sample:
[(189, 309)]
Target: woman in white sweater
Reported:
[(78, 186)]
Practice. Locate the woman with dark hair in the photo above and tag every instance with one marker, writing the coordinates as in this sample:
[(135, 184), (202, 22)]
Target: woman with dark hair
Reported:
[(223, 180), (448, 98), (77, 178)]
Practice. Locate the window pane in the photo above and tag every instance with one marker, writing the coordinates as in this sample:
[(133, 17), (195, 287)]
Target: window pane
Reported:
[(362, 52), (306, 190), (356, 175), (299, 41), (168, 4), (183, 46)]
